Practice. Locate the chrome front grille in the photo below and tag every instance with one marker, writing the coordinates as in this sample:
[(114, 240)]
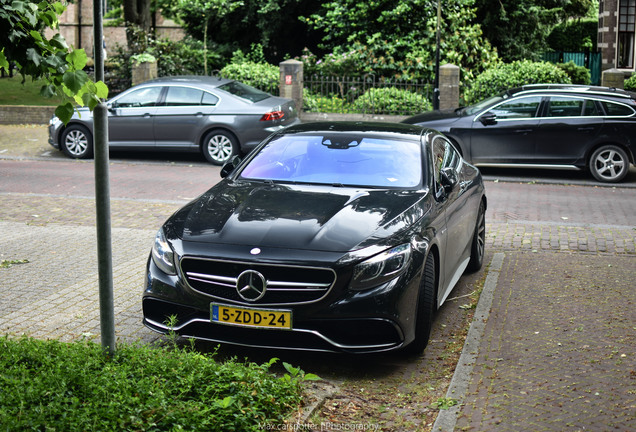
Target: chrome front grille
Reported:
[(285, 284)]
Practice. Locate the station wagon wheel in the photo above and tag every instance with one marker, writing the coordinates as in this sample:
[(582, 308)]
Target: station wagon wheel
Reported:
[(609, 163), (426, 307), (219, 147), (479, 241), (77, 142)]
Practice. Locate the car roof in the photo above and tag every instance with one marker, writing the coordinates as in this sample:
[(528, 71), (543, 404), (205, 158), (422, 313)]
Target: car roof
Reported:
[(199, 81), (571, 89), (362, 127)]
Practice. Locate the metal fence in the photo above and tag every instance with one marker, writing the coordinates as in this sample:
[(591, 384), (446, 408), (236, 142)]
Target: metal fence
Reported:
[(367, 94), (591, 60)]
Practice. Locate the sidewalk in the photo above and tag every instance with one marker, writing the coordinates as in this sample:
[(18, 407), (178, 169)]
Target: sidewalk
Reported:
[(551, 347)]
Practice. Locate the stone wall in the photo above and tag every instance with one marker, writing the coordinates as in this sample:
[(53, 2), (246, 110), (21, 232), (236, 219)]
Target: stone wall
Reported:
[(22, 114)]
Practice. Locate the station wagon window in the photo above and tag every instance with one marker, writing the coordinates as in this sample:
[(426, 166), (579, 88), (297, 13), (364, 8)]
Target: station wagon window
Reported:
[(520, 108), (144, 97), (617, 110), (560, 106)]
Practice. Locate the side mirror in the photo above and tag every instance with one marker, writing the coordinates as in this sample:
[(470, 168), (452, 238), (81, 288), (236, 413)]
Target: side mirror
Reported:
[(488, 119), (230, 166), (448, 179)]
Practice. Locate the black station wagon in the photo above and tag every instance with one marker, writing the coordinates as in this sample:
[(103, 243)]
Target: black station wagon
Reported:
[(546, 126)]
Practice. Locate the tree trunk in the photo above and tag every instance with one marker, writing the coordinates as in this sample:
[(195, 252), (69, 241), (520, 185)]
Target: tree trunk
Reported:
[(137, 13)]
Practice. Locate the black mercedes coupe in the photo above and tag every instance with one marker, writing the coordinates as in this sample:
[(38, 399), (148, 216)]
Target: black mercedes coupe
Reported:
[(328, 237)]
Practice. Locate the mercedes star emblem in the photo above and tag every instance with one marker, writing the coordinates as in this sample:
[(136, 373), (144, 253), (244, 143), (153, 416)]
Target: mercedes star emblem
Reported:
[(251, 285)]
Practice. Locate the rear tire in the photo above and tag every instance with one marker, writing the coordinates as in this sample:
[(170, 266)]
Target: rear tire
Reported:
[(426, 307), (478, 246), (609, 164)]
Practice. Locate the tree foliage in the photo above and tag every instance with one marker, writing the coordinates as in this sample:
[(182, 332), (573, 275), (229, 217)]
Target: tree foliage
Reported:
[(396, 38), (519, 28), (22, 44)]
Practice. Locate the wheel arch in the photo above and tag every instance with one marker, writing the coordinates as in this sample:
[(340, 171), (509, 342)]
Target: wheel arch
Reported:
[(221, 128), (624, 147)]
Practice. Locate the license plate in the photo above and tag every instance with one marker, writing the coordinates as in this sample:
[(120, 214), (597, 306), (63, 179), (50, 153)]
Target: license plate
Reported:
[(262, 318)]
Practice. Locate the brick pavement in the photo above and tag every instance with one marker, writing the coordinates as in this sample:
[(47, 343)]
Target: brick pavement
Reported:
[(557, 351)]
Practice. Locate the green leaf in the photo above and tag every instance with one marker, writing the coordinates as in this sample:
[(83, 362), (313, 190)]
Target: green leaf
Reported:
[(59, 42), (77, 58), (33, 56), (48, 90), (64, 112), (75, 80), (4, 64), (101, 90)]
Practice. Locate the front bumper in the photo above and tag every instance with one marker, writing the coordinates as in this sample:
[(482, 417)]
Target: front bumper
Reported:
[(375, 320)]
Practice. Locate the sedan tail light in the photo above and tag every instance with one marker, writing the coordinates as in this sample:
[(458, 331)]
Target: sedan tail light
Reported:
[(273, 115)]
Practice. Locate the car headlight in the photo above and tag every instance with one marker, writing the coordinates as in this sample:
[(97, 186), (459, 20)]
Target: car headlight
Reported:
[(162, 254), (381, 268)]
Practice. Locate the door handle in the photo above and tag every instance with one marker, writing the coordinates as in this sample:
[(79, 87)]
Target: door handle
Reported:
[(523, 131), (199, 114), (585, 129)]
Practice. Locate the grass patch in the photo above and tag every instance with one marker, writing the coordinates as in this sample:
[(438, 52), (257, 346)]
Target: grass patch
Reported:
[(51, 385), (13, 92)]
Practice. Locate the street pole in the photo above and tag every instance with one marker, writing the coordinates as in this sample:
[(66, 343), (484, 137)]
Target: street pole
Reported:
[(437, 41), (102, 194)]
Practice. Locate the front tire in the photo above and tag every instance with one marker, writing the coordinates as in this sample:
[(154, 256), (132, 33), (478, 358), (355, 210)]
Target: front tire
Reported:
[(219, 147), (426, 307), (478, 246), (609, 164), (77, 142)]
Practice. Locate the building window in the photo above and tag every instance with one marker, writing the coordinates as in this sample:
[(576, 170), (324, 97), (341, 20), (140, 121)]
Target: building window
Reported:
[(626, 28)]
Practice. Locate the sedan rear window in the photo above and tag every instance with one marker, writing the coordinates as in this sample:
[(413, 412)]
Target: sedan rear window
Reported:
[(244, 91), (338, 160)]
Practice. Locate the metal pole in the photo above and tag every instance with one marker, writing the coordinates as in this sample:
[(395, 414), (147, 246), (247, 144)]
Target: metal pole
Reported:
[(102, 195), (436, 89)]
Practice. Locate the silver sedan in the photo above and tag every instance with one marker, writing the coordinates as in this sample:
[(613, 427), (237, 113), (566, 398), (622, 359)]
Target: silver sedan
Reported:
[(216, 116)]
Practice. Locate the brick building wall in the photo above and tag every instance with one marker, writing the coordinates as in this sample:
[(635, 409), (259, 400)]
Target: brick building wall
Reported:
[(76, 26)]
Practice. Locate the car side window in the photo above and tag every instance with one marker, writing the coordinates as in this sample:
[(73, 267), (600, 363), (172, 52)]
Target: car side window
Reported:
[(183, 96), (521, 108), (444, 156), (563, 106), (591, 109), (144, 97), (617, 110), (209, 99)]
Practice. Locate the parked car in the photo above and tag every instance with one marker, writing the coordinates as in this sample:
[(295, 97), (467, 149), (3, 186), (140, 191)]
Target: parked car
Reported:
[(546, 126), (216, 116), (328, 237)]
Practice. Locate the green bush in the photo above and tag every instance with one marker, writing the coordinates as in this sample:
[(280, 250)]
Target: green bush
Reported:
[(263, 76), (577, 74), (55, 386), (320, 103), (515, 74), (391, 100), (630, 84)]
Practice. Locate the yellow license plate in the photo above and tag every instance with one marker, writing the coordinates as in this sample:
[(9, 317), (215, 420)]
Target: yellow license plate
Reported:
[(262, 318)]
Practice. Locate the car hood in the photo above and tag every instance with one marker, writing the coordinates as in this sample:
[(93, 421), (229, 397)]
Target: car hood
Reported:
[(435, 117), (318, 218)]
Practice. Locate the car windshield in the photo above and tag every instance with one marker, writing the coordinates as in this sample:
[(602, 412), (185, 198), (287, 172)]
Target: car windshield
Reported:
[(244, 91), (474, 109), (340, 160)]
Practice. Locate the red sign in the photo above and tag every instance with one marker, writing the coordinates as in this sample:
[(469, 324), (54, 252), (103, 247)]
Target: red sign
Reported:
[(288, 79)]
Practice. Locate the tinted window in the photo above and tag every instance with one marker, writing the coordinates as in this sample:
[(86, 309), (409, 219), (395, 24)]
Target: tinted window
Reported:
[(182, 96), (244, 91), (614, 109), (338, 160), (591, 109), (518, 108), (140, 98), (444, 156), (561, 106)]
